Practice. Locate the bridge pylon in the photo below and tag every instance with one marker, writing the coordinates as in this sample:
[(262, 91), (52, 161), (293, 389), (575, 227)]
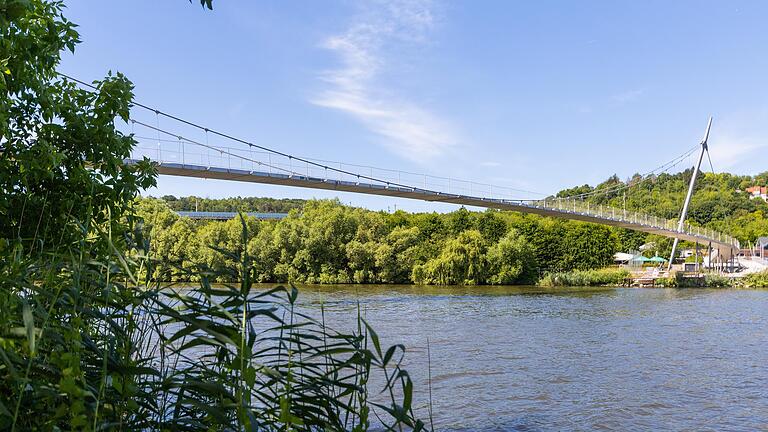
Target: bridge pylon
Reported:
[(684, 213)]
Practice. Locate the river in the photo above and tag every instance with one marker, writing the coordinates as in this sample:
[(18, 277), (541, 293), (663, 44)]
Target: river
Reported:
[(532, 359)]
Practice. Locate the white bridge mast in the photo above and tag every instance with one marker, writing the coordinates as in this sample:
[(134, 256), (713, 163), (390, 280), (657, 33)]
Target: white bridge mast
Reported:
[(684, 213)]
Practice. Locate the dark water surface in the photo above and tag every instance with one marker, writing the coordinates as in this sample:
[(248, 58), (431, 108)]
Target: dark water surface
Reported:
[(534, 359)]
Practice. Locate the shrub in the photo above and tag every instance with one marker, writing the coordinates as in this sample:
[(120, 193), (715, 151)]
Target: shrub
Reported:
[(667, 282), (714, 280), (755, 280), (605, 276)]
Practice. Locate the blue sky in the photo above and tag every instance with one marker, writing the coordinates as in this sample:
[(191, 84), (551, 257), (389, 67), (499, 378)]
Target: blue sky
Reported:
[(531, 95)]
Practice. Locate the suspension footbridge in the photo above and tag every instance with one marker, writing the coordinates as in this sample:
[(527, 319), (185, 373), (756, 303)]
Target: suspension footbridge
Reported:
[(177, 154)]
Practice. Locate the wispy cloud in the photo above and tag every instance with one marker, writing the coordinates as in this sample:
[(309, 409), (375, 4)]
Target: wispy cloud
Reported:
[(406, 128), (728, 152), (627, 96)]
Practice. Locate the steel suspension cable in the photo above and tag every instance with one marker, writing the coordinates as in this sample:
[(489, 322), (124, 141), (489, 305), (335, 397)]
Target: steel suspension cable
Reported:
[(645, 177), (207, 130)]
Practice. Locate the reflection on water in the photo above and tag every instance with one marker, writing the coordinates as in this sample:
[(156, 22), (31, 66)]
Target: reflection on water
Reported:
[(526, 358)]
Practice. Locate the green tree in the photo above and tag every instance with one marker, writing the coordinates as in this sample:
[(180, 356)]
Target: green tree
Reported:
[(491, 226), (460, 220), (510, 261), (588, 246), (462, 261), (398, 254), (60, 153)]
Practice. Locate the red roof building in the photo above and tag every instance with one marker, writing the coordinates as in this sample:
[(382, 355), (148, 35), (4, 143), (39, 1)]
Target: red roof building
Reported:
[(758, 192)]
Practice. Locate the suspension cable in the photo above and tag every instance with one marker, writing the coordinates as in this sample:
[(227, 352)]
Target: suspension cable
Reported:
[(207, 130), (643, 178)]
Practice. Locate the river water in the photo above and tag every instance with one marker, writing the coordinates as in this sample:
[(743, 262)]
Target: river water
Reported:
[(532, 359)]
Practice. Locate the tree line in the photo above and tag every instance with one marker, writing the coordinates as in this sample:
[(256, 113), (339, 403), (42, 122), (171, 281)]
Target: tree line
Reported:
[(327, 242), (719, 200), (234, 204)]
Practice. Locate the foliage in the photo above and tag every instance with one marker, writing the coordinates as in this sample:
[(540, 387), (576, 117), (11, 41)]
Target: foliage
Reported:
[(714, 280), (461, 261), (83, 347), (705, 280), (719, 201), (236, 204), (666, 282), (600, 277), (60, 154), (510, 261), (327, 242), (755, 280)]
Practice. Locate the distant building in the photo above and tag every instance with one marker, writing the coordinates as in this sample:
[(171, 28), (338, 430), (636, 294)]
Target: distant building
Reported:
[(758, 192)]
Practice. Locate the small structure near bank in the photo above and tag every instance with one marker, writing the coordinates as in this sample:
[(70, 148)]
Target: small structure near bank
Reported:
[(761, 247)]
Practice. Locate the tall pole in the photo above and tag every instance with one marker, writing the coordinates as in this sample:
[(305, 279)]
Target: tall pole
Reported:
[(684, 213)]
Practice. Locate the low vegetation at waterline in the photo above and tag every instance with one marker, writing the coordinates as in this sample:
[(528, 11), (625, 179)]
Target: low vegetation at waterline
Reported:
[(755, 280), (705, 280), (576, 278)]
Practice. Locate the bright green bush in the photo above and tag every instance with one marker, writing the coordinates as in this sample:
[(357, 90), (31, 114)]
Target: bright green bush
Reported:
[(755, 280), (714, 280), (667, 282), (599, 277)]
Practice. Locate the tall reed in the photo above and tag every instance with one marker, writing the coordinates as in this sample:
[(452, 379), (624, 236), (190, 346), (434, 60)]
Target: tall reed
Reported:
[(86, 345)]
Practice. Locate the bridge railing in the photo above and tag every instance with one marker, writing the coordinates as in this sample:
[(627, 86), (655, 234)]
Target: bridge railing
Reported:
[(248, 159), (580, 207), (187, 153)]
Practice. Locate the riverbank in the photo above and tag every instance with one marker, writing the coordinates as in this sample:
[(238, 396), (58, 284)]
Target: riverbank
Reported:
[(622, 277)]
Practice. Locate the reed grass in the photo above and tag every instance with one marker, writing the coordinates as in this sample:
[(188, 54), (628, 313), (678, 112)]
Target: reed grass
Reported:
[(600, 277), (85, 344)]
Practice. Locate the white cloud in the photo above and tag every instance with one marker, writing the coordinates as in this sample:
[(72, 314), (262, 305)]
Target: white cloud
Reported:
[(728, 152), (406, 128), (627, 96)]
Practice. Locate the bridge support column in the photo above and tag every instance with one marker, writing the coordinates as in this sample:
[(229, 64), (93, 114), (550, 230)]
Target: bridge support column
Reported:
[(684, 213)]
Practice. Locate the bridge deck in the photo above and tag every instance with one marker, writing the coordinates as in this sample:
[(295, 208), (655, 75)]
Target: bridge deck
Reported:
[(607, 216)]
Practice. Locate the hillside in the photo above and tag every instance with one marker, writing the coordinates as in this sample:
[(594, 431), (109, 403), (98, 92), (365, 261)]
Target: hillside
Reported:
[(720, 201)]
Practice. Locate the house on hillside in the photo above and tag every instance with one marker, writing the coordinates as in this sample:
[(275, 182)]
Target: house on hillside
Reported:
[(758, 192)]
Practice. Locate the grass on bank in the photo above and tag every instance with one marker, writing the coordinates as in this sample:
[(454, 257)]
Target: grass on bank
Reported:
[(755, 280), (617, 276), (599, 277)]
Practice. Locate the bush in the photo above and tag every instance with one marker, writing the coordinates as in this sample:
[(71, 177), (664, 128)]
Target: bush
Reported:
[(707, 280), (714, 280), (667, 282), (755, 280), (605, 276)]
